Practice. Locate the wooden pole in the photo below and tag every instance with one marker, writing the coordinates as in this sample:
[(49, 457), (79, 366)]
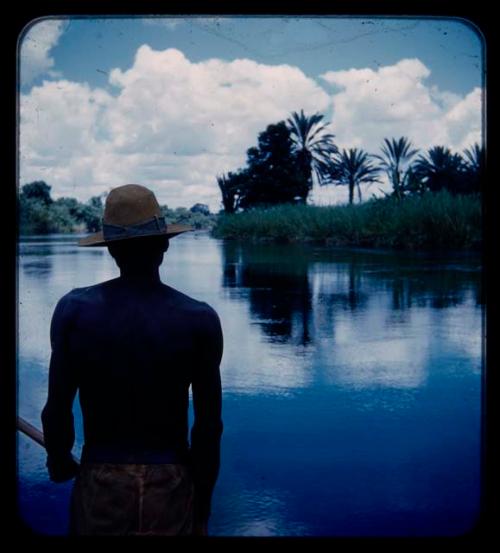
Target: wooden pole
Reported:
[(32, 432), (26, 428)]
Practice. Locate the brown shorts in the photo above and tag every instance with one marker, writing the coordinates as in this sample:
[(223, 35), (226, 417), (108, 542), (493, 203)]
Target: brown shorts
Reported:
[(123, 499)]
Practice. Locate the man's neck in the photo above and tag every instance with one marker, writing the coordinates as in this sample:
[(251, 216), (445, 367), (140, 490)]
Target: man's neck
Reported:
[(143, 275)]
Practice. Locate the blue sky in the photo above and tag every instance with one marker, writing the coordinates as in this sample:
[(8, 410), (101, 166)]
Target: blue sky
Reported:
[(451, 48), (171, 103)]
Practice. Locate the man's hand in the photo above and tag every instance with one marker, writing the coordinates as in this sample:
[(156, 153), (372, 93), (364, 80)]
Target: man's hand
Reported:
[(61, 471)]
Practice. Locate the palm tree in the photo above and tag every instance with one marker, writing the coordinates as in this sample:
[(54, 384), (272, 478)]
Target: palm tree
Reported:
[(313, 145), (352, 168), (475, 167), (396, 157), (229, 192), (440, 169), (412, 182)]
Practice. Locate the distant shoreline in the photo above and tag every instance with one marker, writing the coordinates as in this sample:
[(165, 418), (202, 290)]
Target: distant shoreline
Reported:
[(77, 235), (432, 222)]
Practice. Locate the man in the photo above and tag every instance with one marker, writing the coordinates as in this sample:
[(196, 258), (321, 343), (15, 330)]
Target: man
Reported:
[(132, 346)]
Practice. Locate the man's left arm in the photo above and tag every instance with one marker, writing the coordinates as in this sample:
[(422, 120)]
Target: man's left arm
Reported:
[(207, 428), (57, 415)]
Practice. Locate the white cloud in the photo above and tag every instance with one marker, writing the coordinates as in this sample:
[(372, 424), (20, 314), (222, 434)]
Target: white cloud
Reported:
[(394, 101), (463, 120), (174, 125), (168, 104), (36, 46)]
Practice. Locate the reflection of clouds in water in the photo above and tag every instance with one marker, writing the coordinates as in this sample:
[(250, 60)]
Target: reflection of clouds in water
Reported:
[(389, 363), (265, 527), (327, 279), (461, 331), (265, 514), (34, 315), (251, 363), (38, 298), (359, 349), (355, 336), (32, 375), (192, 265), (266, 518), (370, 374), (40, 269), (97, 266), (403, 354), (362, 344), (377, 345), (37, 301), (365, 353)]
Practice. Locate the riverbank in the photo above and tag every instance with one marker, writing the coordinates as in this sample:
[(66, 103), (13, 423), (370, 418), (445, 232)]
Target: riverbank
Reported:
[(43, 222), (40, 214), (430, 221)]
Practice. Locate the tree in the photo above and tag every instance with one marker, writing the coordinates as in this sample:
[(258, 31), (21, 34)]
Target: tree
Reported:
[(39, 214), (34, 217), (412, 182), (71, 205), (353, 167), (397, 155), (229, 191), (440, 169), (313, 146), (37, 190), (34, 209), (233, 187), (96, 203), (475, 168), (67, 213), (200, 208), (273, 174), (92, 213)]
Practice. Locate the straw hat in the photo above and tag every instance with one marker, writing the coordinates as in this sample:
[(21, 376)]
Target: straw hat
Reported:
[(131, 211)]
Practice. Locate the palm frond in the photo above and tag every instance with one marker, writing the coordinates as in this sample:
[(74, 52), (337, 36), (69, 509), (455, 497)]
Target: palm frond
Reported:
[(312, 143)]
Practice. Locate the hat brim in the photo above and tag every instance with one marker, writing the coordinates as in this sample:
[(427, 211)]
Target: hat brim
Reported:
[(97, 239)]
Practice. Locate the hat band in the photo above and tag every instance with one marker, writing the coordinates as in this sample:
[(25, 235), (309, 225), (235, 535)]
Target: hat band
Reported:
[(155, 225)]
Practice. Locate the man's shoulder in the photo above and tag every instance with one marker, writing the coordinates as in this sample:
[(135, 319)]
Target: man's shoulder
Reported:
[(86, 296), (67, 307), (77, 294), (204, 317), (197, 307), (164, 296)]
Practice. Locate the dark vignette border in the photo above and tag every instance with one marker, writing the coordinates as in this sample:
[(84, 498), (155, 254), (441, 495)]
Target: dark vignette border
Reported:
[(479, 14)]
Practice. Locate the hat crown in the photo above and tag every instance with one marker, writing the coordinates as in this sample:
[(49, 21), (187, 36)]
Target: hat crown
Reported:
[(130, 204)]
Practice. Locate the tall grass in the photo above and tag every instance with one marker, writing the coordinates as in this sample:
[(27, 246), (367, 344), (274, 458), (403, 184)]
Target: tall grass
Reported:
[(430, 221)]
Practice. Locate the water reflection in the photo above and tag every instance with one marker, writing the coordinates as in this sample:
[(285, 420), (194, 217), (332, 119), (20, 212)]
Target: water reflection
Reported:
[(36, 259), (277, 287), (41, 268), (439, 287), (293, 289), (351, 383)]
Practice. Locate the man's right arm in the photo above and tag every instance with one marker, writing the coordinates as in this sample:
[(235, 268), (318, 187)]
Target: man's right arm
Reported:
[(207, 402), (57, 415)]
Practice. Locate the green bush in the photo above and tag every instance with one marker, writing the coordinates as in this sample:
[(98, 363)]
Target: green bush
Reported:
[(40, 214), (197, 219)]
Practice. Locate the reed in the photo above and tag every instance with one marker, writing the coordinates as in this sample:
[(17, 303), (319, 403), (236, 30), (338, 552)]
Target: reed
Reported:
[(429, 221)]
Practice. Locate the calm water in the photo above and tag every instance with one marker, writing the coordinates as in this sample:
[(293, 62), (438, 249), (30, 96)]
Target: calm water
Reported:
[(352, 384)]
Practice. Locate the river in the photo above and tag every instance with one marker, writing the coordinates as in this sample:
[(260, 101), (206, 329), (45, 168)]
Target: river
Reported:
[(351, 383)]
